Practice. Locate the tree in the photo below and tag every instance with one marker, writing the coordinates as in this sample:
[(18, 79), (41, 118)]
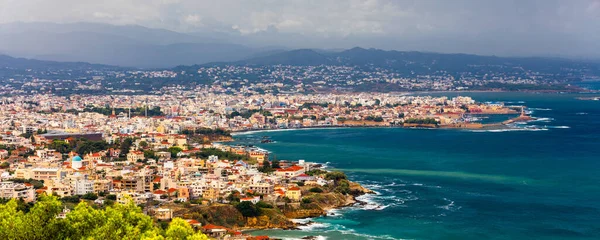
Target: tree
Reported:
[(275, 164), (174, 151), (125, 146), (248, 209), (335, 175), (89, 196), (143, 144), (180, 229), (84, 222)]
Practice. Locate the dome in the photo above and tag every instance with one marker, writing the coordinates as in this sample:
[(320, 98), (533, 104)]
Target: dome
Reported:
[(76, 159)]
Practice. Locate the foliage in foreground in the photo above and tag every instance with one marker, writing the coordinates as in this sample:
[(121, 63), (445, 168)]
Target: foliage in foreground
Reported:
[(84, 222)]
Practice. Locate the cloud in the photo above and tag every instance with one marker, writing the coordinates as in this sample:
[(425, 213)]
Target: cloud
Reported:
[(397, 24)]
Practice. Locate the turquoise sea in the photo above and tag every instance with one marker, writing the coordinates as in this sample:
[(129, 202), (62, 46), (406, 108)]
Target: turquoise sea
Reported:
[(537, 183)]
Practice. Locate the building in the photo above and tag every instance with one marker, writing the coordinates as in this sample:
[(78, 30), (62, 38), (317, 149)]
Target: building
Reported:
[(294, 193), (102, 185), (83, 186), (163, 213), (262, 188), (214, 231), (254, 200), (134, 156), (290, 171), (17, 190), (76, 162), (45, 173)]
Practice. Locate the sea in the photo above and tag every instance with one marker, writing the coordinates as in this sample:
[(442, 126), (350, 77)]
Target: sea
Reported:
[(536, 182)]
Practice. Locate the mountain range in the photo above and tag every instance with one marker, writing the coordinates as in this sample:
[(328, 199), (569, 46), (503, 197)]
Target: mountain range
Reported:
[(130, 45), (79, 44)]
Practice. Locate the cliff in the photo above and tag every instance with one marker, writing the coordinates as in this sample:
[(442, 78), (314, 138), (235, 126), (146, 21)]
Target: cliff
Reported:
[(270, 218), (315, 205)]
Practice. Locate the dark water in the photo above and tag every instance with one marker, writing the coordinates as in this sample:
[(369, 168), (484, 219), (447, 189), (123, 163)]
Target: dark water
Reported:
[(541, 183)]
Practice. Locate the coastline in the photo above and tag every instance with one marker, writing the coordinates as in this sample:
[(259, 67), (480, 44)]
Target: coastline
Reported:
[(469, 126)]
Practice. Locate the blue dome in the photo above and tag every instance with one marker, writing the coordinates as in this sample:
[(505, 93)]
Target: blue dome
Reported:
[(76, 159)]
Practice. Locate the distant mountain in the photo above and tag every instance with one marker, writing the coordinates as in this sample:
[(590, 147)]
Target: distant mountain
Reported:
[(23, 63), (294, 57), (416, 61), (129, 45)]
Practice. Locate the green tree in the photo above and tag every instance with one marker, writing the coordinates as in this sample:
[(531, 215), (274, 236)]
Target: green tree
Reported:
[(174, 151), (248, 209), (125, 146), (180, 229)]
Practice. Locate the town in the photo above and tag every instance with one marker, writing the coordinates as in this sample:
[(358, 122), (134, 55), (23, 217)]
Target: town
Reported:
[(168, 153)]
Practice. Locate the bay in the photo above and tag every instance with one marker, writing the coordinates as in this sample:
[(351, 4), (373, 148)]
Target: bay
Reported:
[(536, 183)]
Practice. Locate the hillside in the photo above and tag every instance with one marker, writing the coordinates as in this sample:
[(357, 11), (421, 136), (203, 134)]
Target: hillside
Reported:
[(422, 62), (129, 45), (8, 62)]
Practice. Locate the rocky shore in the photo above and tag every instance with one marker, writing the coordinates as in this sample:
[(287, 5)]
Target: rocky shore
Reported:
[(278, 217)]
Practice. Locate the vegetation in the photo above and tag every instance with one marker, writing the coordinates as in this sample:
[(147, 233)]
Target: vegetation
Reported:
[(269, 167), (249, 113), (316, 190), (248, 209), (205, 152), (207, 131), (335, 175), (84, 222), (421, 121), (315, 172), (37, 184), (174, 151), (80, 145), (340, 181), (262, 204)]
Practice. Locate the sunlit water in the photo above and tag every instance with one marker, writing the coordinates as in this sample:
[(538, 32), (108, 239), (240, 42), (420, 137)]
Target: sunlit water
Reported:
[(538, 183)]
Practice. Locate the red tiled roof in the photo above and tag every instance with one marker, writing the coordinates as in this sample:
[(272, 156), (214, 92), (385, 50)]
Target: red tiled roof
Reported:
[(211, 226)]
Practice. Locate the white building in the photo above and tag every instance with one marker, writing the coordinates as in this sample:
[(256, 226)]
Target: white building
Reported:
[(17, 190)]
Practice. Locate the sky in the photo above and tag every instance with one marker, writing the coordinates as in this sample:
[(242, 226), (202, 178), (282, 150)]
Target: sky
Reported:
[(501, 27)]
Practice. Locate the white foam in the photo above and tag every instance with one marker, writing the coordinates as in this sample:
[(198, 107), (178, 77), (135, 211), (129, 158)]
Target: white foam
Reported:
[(313, 226), (370, 203), (301, 220), (510, 130), (367, 236), (450, 206), (541, 109), (318, 237), (561, 127), (542, 120), (581, 113)]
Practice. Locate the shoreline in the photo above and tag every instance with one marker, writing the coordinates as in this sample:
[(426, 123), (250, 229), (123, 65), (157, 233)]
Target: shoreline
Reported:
[(479, 126)]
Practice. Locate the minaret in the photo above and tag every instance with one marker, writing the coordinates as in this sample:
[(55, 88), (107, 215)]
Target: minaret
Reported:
[(113, 111), (129, 115)]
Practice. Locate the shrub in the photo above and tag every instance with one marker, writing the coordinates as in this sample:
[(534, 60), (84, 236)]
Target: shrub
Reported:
[(262, 204)]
